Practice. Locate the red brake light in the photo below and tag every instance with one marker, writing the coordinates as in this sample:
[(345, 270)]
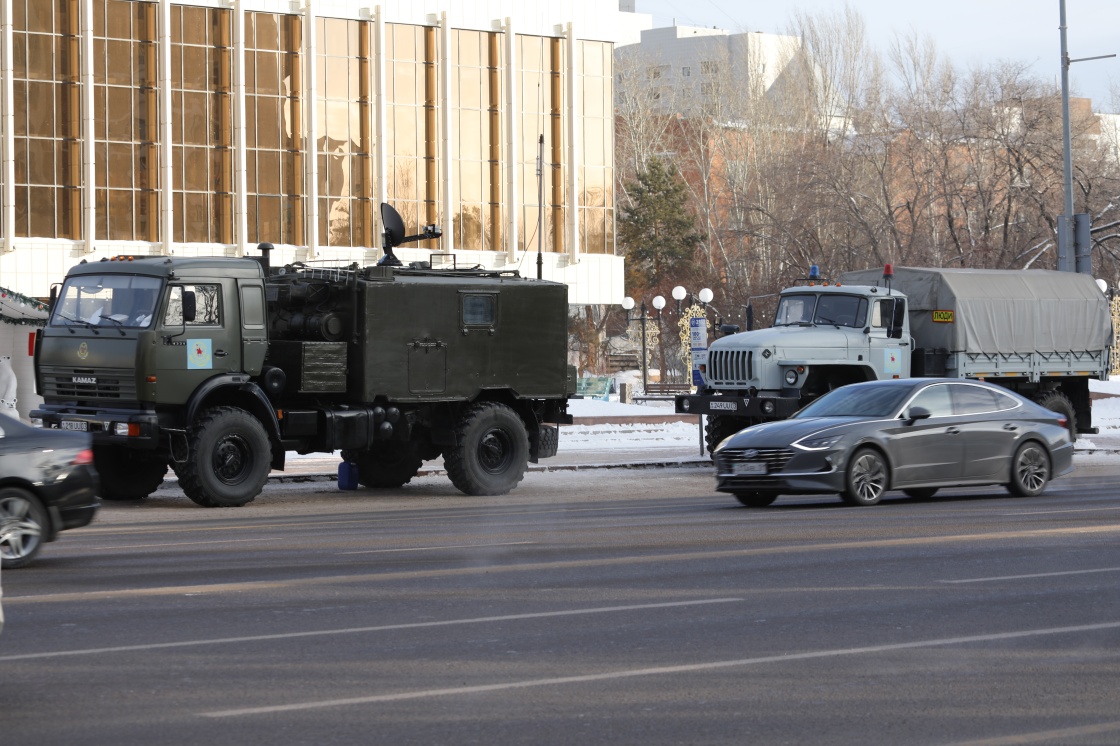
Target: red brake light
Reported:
[(83, 458)]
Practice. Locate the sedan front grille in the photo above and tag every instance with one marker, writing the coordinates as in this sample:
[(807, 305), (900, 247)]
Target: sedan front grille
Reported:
[(83, 385), (774, 459)]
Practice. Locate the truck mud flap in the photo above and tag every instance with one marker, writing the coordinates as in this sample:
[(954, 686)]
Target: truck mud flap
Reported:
[(179, 446)]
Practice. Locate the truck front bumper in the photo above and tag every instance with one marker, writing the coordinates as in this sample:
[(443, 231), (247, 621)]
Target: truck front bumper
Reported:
[(765, 407), (130, 427)]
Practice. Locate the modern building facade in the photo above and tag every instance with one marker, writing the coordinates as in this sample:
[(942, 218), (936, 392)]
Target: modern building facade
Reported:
[(202, 127)]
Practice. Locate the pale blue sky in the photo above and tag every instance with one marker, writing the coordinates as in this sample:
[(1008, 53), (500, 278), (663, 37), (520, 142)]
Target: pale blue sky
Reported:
[(968, 31)]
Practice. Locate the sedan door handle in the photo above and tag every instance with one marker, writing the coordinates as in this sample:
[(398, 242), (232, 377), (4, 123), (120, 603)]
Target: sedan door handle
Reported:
[(953, 431), (1011, 427)]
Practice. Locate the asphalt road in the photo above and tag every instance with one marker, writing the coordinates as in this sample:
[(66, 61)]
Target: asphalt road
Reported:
[(613, 605)]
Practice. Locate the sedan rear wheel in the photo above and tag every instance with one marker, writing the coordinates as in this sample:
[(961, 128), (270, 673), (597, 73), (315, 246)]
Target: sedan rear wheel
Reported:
[(23, 527), (1030, 470), (867, 478)]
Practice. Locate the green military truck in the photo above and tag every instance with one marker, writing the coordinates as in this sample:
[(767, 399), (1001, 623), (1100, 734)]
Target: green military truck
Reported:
[(1040, 333), (218, 366)]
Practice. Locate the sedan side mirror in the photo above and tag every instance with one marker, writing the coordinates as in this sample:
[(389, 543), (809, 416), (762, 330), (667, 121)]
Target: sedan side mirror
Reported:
[(917, 413)]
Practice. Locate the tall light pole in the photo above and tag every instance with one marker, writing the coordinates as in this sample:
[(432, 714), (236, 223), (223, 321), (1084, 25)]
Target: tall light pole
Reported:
[(1066, 243), (628, 305)]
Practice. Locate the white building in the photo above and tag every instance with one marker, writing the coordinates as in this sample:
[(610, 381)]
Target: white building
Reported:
[(689, 63), (201, 127)]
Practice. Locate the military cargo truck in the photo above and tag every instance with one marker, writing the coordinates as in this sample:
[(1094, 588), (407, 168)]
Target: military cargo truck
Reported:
[(1040, 333), (218, 366)]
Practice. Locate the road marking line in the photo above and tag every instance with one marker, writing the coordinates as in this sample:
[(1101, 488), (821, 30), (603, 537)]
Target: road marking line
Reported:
[(453, 546), (657, 671), (536, 567), (1052, 512), (360, 630), (1062, 735), (1035, 575)]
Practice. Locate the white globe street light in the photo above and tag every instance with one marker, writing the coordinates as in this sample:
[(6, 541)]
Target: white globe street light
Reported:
[(679, 293), (628, 303), (658, 302), (706, 295)]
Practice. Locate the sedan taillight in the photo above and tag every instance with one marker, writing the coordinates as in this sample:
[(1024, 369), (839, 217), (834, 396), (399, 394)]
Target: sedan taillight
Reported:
[(84, 457)]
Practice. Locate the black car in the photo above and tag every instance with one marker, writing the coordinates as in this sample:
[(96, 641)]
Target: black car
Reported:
[(47, 485), (916, 434)]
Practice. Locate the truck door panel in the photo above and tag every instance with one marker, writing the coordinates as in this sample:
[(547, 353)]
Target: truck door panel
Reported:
[(189, 352), (889, 355)]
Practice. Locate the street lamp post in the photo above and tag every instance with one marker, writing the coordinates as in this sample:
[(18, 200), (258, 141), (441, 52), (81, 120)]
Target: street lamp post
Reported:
[(628, 305)]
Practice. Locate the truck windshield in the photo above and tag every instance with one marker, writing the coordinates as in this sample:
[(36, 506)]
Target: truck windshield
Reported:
[(126, 301), (807, 309), (857, 401)]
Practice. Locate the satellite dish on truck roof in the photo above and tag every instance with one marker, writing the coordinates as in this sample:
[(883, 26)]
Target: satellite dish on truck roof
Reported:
[(394, 233)]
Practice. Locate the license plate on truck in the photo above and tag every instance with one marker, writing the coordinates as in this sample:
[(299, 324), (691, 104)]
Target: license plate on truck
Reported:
[(752, 467), (79, 425)]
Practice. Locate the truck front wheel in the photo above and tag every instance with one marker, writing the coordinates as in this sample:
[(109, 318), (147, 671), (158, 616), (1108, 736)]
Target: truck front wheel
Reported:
[(718, 427), (128, 474), (491, 450), (229, 460), (387, 466)]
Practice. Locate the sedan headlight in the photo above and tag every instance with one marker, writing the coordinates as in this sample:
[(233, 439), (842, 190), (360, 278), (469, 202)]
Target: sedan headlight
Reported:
[(817, 442)]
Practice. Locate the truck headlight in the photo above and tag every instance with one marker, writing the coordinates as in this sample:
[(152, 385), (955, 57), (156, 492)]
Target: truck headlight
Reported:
[(791, 376)]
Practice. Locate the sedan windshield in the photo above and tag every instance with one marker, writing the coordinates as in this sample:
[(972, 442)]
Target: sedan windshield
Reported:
[(858, 401), (111, 300)]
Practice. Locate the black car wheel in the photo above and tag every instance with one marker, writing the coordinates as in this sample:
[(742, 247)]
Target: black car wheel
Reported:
[(867, 478), (388, 465), (1030, 470), (1058, 402), (23, 527), (718, 427), (230, 458), (491, 450), (756, 499), (128, 474), (921, 493)]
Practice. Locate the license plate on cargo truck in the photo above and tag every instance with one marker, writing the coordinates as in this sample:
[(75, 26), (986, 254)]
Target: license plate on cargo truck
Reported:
[(78, 425)]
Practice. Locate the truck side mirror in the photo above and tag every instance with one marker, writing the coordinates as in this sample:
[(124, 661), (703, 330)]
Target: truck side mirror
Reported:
[(190, 307)]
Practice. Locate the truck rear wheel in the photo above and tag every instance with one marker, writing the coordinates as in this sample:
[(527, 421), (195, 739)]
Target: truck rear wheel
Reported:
[(1058, 402), (491, 450), (718, 427), (128, 474), (387, 466), (229, 460)]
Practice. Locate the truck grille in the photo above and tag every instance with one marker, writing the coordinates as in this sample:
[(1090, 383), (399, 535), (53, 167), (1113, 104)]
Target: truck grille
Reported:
[(88, 384), (774, 458), (730, 367)]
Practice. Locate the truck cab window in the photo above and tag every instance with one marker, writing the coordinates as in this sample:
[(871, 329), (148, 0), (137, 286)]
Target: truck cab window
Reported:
[(207, 305), (841, 310), (795, 309), (107, 300)]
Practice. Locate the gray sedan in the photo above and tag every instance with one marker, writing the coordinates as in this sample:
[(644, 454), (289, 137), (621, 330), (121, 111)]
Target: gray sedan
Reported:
[(916, 435)]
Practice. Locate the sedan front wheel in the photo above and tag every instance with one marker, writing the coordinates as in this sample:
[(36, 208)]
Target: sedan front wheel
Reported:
[(867, 478), (23, 527)]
